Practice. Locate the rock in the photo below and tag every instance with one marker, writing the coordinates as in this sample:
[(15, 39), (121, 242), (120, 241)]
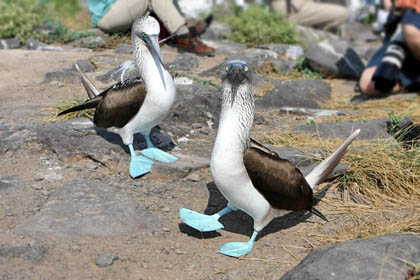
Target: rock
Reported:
[(33, 252), (185, 62), (127, 70), (8, 183), (255, 57), (106, 60), (84, 208), (292, 52), (300, 93), (65, 76), (90, 42), (226, 46), (315, 112), (185, 164), (123, 49), (284, 65), (75, 139), (32, 44), (183, 81), (12, 138), (358, 32), (13, 43), (372, 129), (106, 259), (216, 31), (194, 102), (193, 177), (374, 258), (84, 66), (323, 58)]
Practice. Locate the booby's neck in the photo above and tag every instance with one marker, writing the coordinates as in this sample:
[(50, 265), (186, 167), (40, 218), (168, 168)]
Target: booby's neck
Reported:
[(155, 76), (236, 119)]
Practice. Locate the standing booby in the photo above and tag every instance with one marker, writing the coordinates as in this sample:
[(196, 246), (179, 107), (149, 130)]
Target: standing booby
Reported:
[(134, 106), (250, 176)]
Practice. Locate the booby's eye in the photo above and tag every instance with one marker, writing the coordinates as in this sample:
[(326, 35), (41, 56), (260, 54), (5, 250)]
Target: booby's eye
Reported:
[(246, 69)]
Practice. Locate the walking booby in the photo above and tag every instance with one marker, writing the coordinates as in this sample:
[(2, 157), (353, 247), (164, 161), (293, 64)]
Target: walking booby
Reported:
[(251, 177), (136, 105)]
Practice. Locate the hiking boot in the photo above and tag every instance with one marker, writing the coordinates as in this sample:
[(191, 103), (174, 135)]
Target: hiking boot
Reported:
[(189, 43), (198, 27)]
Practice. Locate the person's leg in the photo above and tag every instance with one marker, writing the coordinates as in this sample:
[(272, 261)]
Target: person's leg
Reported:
[(122, 14), (170, 16), (321, 15), (412, 38), (411, 32)]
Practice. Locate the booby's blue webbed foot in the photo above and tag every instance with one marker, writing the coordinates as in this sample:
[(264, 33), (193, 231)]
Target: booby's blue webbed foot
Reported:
[(159, 155), (139, 165), (202, 222), (237, 249), (155, 153)]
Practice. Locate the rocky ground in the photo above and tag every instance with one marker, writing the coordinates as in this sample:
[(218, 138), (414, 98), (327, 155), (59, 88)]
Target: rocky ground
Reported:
[(69, 210)]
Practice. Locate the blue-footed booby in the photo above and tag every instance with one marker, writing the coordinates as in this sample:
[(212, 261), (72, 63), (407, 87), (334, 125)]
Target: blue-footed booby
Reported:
[(136, 105), (250, 176)]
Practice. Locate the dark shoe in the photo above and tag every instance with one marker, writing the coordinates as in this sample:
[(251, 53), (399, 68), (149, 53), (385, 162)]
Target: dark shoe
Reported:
[(198, 27), (189, 43)]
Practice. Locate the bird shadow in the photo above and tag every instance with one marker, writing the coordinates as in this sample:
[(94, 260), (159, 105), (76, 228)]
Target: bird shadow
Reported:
[(238, 221), (158, 139)]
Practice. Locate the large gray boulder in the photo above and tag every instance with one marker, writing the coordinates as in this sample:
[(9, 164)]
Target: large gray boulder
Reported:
[(85, 208), (383, 257), (296, 93)]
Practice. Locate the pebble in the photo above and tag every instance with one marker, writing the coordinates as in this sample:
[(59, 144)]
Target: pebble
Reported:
[(183, 139), (37, 187), (166, 229), (193, 177), (179, 252), (106, 259), (166, 209), (75, 249), (90, 165)]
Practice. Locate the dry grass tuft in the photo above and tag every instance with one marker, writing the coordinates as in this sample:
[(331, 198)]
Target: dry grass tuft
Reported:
[(54, 111), (383, 183)]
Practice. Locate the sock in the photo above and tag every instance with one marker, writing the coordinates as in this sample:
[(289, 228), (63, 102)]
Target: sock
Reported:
[(183, 30)]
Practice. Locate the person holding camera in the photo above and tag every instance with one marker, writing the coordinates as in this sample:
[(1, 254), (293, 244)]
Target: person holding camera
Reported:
[(396, 65)]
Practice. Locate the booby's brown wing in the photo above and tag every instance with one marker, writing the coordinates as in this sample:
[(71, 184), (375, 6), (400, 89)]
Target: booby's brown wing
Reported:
[(282, 184), (120, 103)]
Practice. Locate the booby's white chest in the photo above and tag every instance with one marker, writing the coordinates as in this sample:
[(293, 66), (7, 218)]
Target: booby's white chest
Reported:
[(159, 99), (229, 171)]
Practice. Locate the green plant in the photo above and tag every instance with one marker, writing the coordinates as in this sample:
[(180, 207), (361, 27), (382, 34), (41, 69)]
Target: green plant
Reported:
[(18, 19), (257, 25)]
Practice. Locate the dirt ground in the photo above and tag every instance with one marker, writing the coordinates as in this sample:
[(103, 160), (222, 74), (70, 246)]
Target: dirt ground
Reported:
[(173, 252)]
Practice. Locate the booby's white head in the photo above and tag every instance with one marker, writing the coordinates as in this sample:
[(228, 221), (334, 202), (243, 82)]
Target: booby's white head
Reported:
[(237, 75), (144, 35)]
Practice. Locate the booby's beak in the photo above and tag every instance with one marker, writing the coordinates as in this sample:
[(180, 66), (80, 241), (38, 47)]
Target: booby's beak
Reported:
[(152, 45)]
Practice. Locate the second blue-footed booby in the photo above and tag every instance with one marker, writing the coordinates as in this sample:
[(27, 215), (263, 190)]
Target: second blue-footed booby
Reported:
[(136, 105), (250, 176)]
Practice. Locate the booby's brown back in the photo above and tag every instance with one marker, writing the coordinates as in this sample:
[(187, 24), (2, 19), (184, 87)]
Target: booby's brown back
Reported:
[(282, 184), (120, 104)]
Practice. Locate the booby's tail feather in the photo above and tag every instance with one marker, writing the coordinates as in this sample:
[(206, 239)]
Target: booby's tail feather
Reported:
[(324, 169), (319, 214), (91, 90), (92, 103)]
